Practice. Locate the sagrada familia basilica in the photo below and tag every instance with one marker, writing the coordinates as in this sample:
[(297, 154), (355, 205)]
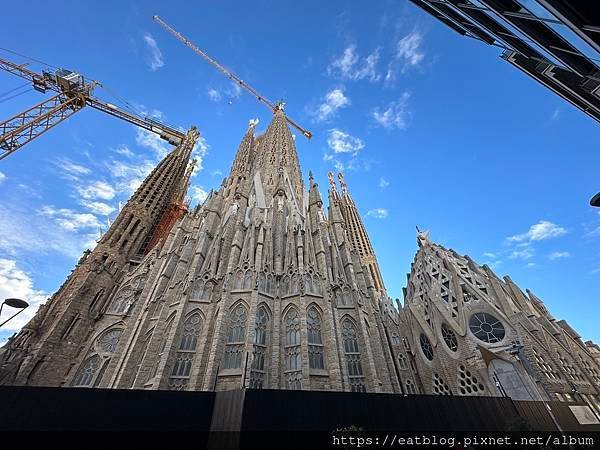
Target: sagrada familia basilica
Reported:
[(260, 287)]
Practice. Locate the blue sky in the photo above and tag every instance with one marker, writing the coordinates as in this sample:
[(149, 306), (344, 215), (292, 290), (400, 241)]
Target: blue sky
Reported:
[(431, 129)]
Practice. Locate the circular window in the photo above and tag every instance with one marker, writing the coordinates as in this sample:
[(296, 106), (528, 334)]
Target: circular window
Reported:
[(426, 347), (486, 327), (108, 341), (449, 337)]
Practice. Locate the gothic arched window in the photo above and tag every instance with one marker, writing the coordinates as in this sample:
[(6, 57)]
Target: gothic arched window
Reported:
[(202, 291), (122, 301), (410, 387), (140, 357), (486, 327), (258, 372), (449, 337), (402, 362), (345, 298), (289, 285), (352, 353), (107, 342), (238, 281), (247, 280), (426, 347), (294, 287), (266, 284), (235, 337), (185, 352), (87, 372), (315, 340), (163, 345), (292, 350), (312, 284), (292, 327)]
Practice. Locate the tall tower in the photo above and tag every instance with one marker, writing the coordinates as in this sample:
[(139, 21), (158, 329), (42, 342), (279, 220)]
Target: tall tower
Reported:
[(256, 288), (358, 234), (43, 352)]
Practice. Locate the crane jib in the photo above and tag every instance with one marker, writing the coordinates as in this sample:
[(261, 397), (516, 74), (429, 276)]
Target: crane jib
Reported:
[(261, 98)]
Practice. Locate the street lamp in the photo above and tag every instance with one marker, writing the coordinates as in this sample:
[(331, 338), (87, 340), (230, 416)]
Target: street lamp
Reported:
[(595, 201), (13, 303)]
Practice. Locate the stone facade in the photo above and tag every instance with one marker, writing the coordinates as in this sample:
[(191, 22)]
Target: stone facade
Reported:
[(472, 333), (260, 287)]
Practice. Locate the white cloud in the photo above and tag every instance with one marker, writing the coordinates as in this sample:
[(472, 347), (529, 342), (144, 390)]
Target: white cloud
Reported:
[(216, 173), (16, 283), (556, 114), (2, 177), (73, 168), (383, 183), (100, 208), (70, 170), (409, 54), (378, 213), (341, 142), (331, 103), (125, 151), (198, 153), (490, 255), (234, 92), (494, 264), (395, 115), (409, 49), (558, 255), (70, 220), (155, 59), (349, 66), (530, 265), (523, 253), (538, 232), (23, 232), (214, 95), (96, 190), (128, 176), (198, 194), (153, 142)]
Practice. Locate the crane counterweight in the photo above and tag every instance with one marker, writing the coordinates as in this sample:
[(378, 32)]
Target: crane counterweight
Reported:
[(72, 94)]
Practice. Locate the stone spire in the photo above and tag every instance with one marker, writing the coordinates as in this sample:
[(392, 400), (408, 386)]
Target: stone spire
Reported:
[(54, 335), (134, 228), (276, 154), (239, 175), (358, 234), (244, 156)]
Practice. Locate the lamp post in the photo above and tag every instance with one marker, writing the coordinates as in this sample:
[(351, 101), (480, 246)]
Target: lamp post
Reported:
[(595, 201), (13, 303)]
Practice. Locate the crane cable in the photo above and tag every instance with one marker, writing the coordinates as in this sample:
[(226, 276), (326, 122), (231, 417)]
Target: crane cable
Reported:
[(29, 58), (2, 100), (126, 104), (10, 91)]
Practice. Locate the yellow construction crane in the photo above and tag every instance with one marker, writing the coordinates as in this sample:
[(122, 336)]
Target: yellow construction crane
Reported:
[(72, 93), (261, 98)]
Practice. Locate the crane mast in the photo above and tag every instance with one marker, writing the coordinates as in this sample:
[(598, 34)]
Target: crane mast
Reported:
[(233, 77), (72, 93)]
